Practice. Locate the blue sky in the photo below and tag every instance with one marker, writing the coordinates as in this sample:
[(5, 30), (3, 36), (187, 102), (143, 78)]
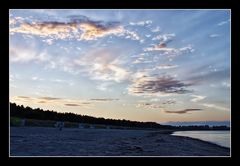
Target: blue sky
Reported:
[(144, 65)]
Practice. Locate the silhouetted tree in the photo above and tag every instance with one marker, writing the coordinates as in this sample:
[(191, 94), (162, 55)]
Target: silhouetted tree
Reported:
[(28, 112)]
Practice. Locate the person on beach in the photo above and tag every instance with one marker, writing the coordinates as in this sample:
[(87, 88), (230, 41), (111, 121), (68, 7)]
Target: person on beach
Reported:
[(23, 121), (61, 124)]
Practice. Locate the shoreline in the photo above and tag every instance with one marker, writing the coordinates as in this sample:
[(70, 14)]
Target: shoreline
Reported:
[(201, 139), (43, 141), (212, 143)]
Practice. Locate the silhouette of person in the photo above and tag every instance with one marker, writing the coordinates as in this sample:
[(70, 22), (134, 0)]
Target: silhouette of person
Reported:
[(23, 122), (61, 125)]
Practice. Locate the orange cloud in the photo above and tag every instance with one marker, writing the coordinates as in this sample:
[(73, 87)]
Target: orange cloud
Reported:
[(82, 30), (93, 31)]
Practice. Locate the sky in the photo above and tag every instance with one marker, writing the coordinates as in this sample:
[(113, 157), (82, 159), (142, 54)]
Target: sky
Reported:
[(143, 65)]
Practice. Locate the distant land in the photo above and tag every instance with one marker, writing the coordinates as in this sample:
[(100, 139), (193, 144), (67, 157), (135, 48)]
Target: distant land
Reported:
[(199, 123)]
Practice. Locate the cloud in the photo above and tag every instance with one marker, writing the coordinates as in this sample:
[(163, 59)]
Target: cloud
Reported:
[(65, 102), (48, 41), (49, 98), (15, 20), (53, 100), (25, 54), (141, 23), (161, 48), (156, 85), (104, 86), (72, 105), (35, 78), (214, 35), (68, 82), (223, 22), (166, 66), (108, 72), (78, 27), (141, 60), (132, 35), (42, 101), (104, 99), (92, 31), (165, 37), (171, 101), (197, 98), (170, 52), (20, 54), (86, 103), (184, 111), (24, 97), (12, 22), (155, 99), (57, 30), (104, 65), (156, 29), (216, 107), (81, 28), (149, 106)]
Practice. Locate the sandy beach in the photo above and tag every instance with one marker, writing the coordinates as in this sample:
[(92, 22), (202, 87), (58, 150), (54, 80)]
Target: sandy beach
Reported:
[(43, 141)]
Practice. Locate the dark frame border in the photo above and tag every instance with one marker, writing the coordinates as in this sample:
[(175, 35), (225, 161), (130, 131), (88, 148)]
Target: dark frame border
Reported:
[(130, 4)]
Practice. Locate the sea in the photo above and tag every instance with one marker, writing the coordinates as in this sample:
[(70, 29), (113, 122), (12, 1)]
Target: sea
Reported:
[(218, 137)]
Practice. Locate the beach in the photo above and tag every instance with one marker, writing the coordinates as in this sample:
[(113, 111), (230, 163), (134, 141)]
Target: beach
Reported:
[(47, 141)]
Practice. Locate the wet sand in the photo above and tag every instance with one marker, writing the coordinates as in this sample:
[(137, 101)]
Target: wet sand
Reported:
[(43, 141)]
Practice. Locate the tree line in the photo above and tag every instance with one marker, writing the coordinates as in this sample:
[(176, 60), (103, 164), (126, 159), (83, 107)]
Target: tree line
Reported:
[(40, 114)]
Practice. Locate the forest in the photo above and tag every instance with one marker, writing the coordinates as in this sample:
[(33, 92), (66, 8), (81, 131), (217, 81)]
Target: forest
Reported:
[(29, 113)]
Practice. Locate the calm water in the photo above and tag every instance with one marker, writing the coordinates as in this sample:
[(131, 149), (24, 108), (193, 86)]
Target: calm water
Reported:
[(218, 137)]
